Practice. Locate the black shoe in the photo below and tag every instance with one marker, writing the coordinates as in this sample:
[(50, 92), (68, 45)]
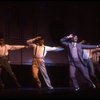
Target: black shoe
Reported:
[(50, 90)]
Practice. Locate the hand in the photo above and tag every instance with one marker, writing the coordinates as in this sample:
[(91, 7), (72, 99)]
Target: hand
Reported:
[(98, 46), (70, 36), (38, 37)]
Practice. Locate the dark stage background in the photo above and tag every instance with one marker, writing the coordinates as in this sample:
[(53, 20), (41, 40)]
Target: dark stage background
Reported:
[(22, 20)]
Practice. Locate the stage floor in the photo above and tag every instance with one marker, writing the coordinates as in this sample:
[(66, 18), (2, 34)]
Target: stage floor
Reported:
[(59, 76), (57, 93)]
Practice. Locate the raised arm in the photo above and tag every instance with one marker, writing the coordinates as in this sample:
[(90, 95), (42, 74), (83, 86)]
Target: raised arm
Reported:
[(65, 39), (16, 47), (30, 41)]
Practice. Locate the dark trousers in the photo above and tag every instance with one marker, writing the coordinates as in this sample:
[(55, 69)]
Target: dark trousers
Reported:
[(6, 66)]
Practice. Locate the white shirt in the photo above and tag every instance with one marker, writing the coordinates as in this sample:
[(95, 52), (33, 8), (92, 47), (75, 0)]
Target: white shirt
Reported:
[(86, 54), (41, 51), (74, 44), (74, 51)]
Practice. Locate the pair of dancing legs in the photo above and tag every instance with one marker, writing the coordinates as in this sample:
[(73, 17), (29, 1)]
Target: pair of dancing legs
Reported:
[(39, 64)]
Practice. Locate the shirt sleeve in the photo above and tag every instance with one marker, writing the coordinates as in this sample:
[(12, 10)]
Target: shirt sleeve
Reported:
[(65, 40), (48, 48)]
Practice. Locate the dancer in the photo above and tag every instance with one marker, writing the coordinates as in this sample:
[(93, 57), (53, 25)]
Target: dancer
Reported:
[(38, 62)]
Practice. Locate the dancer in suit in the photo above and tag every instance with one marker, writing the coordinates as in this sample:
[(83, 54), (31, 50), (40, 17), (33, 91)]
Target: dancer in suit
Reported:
[(75, 57)]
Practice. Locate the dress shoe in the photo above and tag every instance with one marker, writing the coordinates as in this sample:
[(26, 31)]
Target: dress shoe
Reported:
[(77, 89), (39, 84), (93, 86), (50, 88)]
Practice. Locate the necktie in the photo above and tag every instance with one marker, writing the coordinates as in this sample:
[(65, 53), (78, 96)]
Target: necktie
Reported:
[(74, 44)]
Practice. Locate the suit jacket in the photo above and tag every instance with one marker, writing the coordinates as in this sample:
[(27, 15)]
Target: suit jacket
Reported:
[(66, 42)]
